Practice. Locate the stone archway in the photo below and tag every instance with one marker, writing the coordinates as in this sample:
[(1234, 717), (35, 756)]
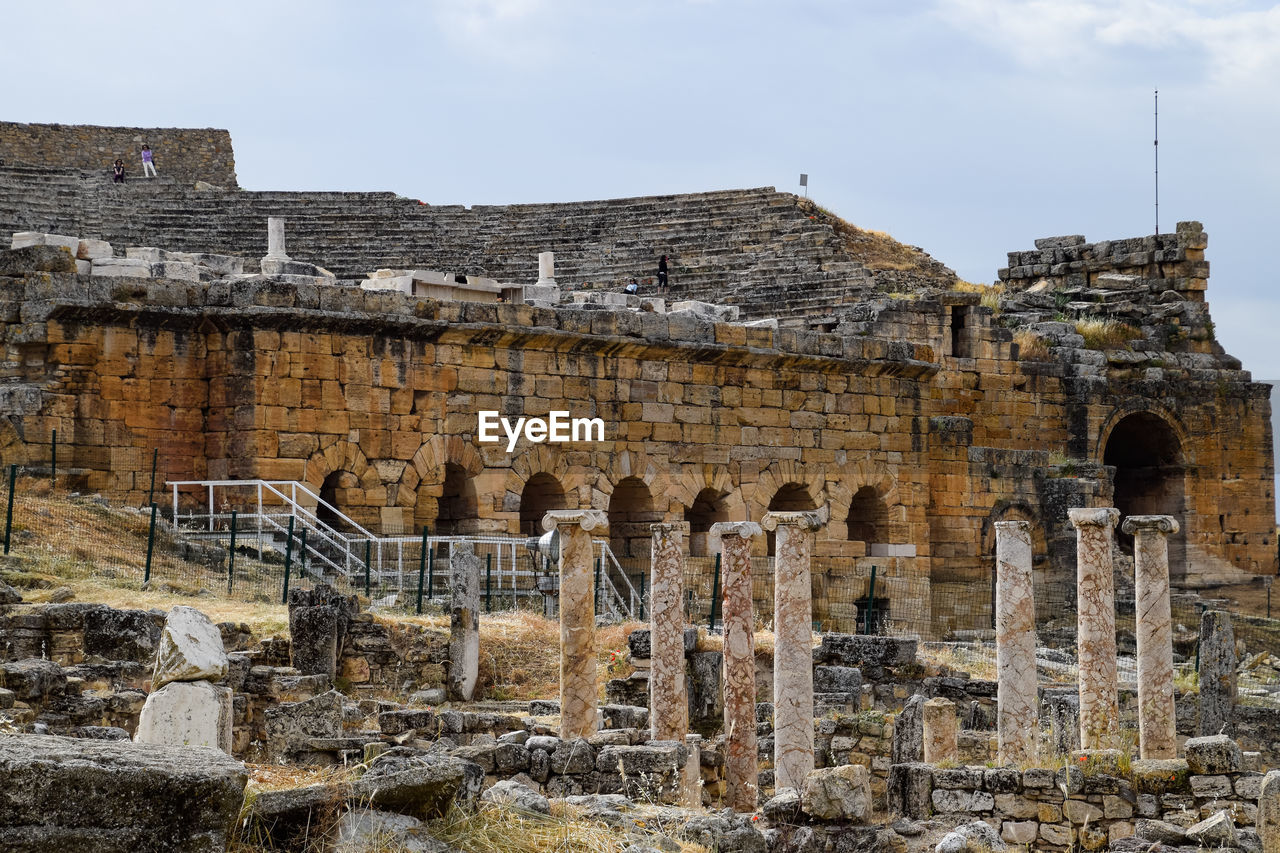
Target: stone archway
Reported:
[(709, 507), (541, 494), (1146, 451), (631, 511), (790, 497)]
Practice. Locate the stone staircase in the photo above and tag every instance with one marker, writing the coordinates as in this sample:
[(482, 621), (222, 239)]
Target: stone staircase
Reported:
[(757, 248)]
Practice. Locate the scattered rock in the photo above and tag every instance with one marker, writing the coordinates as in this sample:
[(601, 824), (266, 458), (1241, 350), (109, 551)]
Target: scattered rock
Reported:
[(1213, 754), (419, 783), (515, 795), (61, 594), (838, 793), (1215, 831), (783, 807), (975, 837), (9, 595), (190, 649), (291, 725), (33, 678), (368, 831)]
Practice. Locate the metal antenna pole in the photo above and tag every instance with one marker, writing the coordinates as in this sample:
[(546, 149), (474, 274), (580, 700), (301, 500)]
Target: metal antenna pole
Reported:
[(1157, 153)]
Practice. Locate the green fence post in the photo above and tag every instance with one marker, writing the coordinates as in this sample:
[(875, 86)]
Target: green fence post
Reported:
[(431, 573), (302, 549), (715, 595), (53, 460), (422, 566), (231, 554), (871, 603), (368, 555), (155, 457), (488, 583), (288, 561), (151, 545), (642, 576), (8, 515), (599, 560)]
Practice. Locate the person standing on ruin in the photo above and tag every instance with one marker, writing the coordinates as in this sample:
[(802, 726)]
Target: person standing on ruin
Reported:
[(117, 171), (148, 164), (662, 274)]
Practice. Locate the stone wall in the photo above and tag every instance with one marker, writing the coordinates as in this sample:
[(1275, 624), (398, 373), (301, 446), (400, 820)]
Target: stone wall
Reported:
[(185, 154)]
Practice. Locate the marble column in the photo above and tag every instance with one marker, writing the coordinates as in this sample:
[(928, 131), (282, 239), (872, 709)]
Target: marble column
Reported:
[(741, 762), (464, 620), (1017, 700), (941, 731), (691, 774), (1157, 737), (1096, 626), (275, 239), (578, 691), (793, 646), (668, 698), (546, 268)]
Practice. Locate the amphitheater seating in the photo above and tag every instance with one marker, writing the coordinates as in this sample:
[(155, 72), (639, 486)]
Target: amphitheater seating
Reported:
[(756, 248)]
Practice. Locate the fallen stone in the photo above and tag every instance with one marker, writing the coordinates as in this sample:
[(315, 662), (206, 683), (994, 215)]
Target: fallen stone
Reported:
[(62, 794), (783, 806), (1215, 831), (291, 725), (111, 634), (366, 830), (724, 833), (838, 793), (515, 795), (1159, 830), (1213, 754), (416, 783), (61, 595), (975, 837), (187, 713), (33, 678), (9, 595), (190, 649)]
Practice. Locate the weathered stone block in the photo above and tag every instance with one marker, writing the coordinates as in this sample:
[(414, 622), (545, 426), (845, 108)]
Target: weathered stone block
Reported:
[(187, 713)]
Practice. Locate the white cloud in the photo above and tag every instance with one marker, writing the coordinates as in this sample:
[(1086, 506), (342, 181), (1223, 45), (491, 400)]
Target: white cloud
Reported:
[(513, 30), (1236, 45)]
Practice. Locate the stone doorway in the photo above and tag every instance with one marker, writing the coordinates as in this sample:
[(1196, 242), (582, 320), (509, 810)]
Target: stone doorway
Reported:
[(868, 518), (709, 507), (631, 512), (541, 494), (457, 507), (1149, 477), (792, 497)]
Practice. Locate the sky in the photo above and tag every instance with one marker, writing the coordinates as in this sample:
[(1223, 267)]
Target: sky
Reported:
[(966, 127)]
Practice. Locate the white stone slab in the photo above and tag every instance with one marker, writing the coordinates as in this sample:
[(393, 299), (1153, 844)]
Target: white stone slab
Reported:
[(542, 294), (400, 283), (149, 254), (22, 239), (433, 277), (187, 713), (88, 250), (190, 649), (84, 267), (176, 270), (121, 267)]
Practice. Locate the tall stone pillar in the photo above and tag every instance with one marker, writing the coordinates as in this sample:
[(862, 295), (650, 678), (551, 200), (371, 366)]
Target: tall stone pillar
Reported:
[(741, 762), (1157, 737), (941, 731), (464, 620), (793, 647), (275, 239), (546, 268), (1019, 717), (1269, 812), (578, 696), (668, 698), (1096, 628), (1217, 674)]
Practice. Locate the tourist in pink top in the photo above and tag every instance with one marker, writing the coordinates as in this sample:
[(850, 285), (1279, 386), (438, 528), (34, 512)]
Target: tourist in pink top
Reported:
[(148, 165)]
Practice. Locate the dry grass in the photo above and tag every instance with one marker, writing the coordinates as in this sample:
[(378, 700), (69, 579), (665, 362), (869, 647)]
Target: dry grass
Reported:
[(278, 777), (876, 250), (978, 663), (1106, 334), (1031, 347), (507, 830), (991, 293)]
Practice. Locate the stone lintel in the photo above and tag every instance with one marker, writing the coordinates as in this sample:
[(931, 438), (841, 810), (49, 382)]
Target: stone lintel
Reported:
[(587, 519), (1093, 516), (808, 520), (743, 529), (1165, 524)]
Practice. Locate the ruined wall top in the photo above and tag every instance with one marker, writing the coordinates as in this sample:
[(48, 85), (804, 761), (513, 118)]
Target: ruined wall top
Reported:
[(187, 154)]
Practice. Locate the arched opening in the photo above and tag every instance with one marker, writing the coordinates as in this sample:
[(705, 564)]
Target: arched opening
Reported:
[(630, 514), (541, 494), (335, 497), (709, 507), (1149, 476), (792, 497), (457, 507), (868, 518)]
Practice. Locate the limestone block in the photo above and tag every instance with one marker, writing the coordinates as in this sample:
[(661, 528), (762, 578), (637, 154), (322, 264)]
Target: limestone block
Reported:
[(121, 267), (1217, 673), (514, 795), (187, 713), (110, 796), (542, 294), (291, 725), (941, 731), (22, 239), (908, 732), (838, 793), (88, 250), (190, 649), (84, 267), (1212, 755), (175, 270), (401, 283), (1216, 831), (1269, 811), (144, 253)]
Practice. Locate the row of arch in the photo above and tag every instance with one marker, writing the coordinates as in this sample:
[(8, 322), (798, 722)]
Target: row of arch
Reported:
[(447, 482)]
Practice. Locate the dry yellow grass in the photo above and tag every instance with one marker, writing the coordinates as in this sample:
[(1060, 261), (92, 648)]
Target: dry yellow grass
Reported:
[(507, 830), (1031, 347), (1106, 334), (876, 250)]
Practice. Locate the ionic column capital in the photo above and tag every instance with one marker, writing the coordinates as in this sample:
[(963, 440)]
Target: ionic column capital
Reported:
[(587, 519), (1166, 524), (741, 529), (669, 529), (1093, 516)]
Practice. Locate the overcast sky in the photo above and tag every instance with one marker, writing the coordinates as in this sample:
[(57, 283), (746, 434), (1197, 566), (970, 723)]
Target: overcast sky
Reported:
[(966, 127)]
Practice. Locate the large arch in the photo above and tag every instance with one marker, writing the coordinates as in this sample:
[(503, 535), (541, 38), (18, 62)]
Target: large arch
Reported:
[(441, 476), (1145, 449), (341, 470), (631, 510), (709, 507), (1054, 593), (790, 497), (541, 493)]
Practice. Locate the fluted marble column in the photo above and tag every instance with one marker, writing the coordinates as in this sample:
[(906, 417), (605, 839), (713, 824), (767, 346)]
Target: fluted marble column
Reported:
[(1096, 627), (578, 699), (1157, 737), (741, 762), (668, 698), (793, 647), (1019, 717)]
